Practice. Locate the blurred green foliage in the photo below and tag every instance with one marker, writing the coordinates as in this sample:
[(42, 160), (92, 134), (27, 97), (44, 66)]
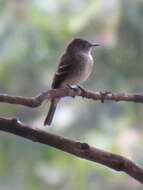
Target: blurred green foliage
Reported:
[(33, 35)]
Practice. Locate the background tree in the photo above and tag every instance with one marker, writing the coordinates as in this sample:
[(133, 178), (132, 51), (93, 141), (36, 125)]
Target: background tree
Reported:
[(32, 37)]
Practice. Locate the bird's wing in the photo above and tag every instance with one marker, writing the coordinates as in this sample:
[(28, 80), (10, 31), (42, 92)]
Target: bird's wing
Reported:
[(62, 71)]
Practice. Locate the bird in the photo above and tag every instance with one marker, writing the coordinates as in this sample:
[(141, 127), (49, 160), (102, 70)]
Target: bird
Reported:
[(75, 66)]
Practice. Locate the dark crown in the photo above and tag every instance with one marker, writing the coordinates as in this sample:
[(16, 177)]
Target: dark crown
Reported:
[(80, 44)]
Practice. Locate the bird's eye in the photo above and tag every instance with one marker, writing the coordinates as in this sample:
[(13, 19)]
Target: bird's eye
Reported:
[(84, 45)]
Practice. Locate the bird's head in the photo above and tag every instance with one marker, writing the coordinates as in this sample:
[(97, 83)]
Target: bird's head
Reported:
[(79, 44)]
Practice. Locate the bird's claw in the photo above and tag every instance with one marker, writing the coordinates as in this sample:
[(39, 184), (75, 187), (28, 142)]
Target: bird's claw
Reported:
[(82, 90), (77, 88), (72, 88)]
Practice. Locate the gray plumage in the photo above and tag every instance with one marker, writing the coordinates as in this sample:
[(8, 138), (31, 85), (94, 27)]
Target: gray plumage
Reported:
[(75, 67)]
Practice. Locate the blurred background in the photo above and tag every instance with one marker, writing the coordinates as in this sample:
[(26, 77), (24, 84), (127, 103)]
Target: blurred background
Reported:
[(33, 35)]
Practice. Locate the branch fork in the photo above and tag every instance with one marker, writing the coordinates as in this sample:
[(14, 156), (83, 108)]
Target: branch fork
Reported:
[(79, 149)]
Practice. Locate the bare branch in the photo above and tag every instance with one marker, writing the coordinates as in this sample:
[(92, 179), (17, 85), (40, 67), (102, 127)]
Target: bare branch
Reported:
[(64, 92), (82, 150)]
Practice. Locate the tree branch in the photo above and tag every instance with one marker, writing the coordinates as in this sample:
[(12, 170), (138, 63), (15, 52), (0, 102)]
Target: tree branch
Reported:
[(67, 92), (82, 150)]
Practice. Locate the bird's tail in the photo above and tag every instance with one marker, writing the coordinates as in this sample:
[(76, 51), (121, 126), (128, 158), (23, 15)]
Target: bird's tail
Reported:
[(51, 112)]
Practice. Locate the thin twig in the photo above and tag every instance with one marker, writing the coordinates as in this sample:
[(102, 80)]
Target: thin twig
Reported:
[(64, 92), (82, 150)]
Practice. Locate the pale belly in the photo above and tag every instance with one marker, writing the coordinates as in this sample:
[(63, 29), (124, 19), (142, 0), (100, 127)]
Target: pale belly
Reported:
[(83, 73), (80, 71)]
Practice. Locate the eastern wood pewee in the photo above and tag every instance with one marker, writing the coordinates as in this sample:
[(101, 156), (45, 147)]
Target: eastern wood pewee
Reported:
[(74, 68)]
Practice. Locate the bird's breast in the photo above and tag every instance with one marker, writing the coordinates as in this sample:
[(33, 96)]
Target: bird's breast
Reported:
[(84, 66)]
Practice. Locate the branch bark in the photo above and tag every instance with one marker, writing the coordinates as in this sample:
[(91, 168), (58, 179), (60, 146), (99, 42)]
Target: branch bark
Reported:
[(82, 150), (68, 92)]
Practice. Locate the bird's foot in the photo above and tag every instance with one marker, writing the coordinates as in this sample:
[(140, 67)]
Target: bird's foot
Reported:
[(77, 89), (83, 91), (103, 95)]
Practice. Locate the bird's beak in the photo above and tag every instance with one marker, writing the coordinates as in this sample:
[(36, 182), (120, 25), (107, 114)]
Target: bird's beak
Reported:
[(94, 45)]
